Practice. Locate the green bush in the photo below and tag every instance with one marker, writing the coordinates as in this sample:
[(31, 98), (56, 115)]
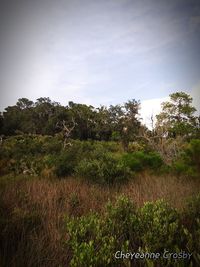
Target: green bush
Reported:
[(179, 167), (122, 221), (51, 145), (90, 244), (160, 226), (192, 153), (156, 227), (188, 164), (20, 153), (18, 146), (65, 163), (105, 169), (93, 240), (138, 161), (191, 221), (191, 214)]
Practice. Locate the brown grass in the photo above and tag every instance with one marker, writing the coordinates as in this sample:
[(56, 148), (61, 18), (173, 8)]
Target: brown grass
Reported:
[(150, 188), (33, 212)]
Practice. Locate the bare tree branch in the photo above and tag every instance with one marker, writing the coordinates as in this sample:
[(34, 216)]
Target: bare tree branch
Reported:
[(66, 131)]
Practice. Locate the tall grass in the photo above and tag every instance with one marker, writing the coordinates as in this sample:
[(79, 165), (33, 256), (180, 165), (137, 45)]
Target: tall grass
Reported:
[(33, 212)]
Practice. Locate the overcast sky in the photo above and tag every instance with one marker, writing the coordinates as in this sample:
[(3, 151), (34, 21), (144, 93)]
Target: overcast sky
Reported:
[(99, 52)]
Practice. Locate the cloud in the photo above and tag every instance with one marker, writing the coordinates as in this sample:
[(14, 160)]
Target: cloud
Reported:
[(195, 93), (149, 108)]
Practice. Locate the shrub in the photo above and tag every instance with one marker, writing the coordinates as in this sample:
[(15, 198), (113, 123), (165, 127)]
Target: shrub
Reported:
[(103, 170), (111, 146), (94, 238), (191, 221), (65, 163), (179, 167), (138, 161), (135, 146), (51, 145), (18, 146), (188, 164), (122, 221), (192, 153), (89, 243), (160, 226), (191, 213)]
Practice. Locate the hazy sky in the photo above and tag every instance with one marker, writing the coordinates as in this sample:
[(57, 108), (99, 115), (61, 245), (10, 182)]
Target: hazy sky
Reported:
[(99, 52)]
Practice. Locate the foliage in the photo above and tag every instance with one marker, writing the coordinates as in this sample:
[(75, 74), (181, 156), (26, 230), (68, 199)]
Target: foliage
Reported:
[(156, 227), (104, 170), (138, 161), (87, 236), (191, 213), (177, 115), (122, 221), (65, 162), (99, 161), (94, 240), (188, 164), (43, 116), (192, 153), (27, 153), (163, 226), (191, 220)]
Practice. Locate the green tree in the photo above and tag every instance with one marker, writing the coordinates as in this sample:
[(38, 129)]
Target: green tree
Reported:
[(11, 120), (84, 117), (45, 115), (125, 121), (103, 129), (177, 116)]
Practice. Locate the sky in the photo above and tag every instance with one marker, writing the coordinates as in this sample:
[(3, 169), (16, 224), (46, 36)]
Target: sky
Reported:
[(99, 52)]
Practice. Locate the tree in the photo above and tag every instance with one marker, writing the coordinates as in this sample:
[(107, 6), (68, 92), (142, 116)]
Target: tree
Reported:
[(11, 120), (24, 103), (44, 115), (177, 116), (1, 123), (84, 116), (125, 122), (66, 131), (131, 123), (103, 129)]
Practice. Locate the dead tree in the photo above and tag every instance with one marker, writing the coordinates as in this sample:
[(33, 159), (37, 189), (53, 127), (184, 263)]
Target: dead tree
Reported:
[(158, 140), (66, 131)]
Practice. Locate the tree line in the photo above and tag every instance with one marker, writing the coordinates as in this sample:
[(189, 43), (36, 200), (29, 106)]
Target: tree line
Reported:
[(119, 122)]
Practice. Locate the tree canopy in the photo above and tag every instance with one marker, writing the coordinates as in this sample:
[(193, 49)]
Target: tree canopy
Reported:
[(119, 122), (178, 115), (116, 122)]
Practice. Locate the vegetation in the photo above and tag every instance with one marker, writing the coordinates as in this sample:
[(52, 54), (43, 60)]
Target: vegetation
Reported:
[(80, 183), (156, 227)]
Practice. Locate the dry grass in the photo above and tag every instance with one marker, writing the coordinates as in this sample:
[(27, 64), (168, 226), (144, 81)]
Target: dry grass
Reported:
[(150, 188), (34, 211)]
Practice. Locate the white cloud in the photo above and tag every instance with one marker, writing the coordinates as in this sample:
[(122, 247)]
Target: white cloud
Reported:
[(195, 93), (151, 107)]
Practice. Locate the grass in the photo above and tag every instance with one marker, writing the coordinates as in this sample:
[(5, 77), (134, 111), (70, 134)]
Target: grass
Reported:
[(33, 212)]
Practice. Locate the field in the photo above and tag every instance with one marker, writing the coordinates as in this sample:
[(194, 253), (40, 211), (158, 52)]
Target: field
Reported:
[(84, 186), (42, 211)]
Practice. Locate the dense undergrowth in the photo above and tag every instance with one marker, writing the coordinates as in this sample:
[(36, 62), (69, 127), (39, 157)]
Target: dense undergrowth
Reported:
[(100, 162), (155, 227)]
